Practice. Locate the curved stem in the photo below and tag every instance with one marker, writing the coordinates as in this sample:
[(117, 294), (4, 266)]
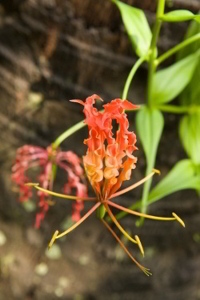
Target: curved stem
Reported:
[(153, 49), (178, 47), (67, 133), (151, 72), (145, 192), (130, 76), (177, 109)]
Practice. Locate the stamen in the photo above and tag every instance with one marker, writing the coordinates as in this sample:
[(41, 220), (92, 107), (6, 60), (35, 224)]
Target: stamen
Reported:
[(118, 225), (34, 184), (145, 270), (136, 213), (53, 239), (133, 186), (69, 197), (156, 171), (57, 235), (50, 202), (178, 219), (139, 244)]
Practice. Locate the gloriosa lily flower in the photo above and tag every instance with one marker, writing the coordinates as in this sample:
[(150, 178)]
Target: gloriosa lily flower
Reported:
[(29, 157), (108, 162)]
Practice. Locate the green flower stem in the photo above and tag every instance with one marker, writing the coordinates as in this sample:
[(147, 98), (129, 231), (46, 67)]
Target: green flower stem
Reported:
[(145, 193), (151, 72), (153, 48), (180, 109), (177, 109), (178, 47), (130, 76), (67, 133)]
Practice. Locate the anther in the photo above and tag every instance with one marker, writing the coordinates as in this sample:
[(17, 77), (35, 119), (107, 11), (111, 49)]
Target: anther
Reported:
[(53, 239), (32, 184), (139, 244), (156, 171), (178, 219)]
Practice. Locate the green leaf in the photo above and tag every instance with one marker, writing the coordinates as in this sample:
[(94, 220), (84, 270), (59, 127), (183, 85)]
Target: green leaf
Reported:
[(182, 176), (180, 16), (193, 29), (190, 135), (137, 27), (191, 94), (150, 123), (169, 82)]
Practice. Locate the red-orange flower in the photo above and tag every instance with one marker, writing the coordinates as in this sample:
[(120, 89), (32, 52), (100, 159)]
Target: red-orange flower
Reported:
[(109, 159), (108, 162)]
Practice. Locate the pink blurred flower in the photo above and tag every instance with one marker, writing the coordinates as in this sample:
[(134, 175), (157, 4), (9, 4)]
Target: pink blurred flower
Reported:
[(29, 157)]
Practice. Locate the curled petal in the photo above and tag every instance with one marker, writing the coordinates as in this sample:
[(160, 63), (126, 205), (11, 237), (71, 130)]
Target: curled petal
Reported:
[(110, 173), (109, 154)]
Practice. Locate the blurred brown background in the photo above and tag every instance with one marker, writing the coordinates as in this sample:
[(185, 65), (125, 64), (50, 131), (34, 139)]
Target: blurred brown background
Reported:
[(52, 51)]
